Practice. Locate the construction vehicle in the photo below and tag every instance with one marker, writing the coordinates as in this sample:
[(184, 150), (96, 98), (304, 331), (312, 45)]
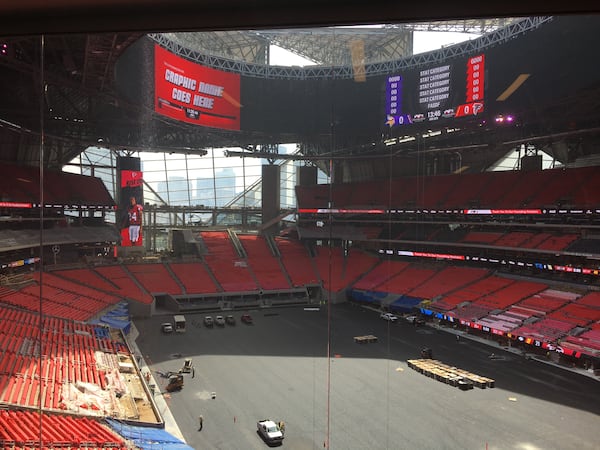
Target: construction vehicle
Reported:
[(187, 366), (175, 382)]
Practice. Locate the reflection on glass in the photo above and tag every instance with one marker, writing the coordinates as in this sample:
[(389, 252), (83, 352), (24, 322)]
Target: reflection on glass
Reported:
[(368, 238)]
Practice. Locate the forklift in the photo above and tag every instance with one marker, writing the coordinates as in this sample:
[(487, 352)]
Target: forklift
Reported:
[(187, 366), (175, 382)]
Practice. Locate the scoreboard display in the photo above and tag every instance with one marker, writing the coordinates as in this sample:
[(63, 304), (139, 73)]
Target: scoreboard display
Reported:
[(193, 93), (439, 92)]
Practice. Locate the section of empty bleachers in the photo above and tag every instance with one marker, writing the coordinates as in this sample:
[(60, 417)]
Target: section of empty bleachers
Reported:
[(89, 278), (219, 244), (227, 267), (585, 245), (22, 184), (437, 189), (447, 280), (338, 271), (155, 278), (535, 240), (60, 298), (591, 299), (461, 196), (407, 280), (127, 287), (576, 314), (314, 196), (557, 242), (585, 195), (544, 330), (482, 237), (520, 239), (361, 263), (380, 273), (265, 266), (21, 429), (39, 364), (297, 263), (487, 303), (470, 292), (510, 295), (514, 316), (194, 278), (519, 193), (575, 187), (541, 304), (588, 340), (513, 239), (558, 189)]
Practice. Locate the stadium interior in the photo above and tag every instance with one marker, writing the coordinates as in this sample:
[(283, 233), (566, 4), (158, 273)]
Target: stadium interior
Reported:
[(459, 187)]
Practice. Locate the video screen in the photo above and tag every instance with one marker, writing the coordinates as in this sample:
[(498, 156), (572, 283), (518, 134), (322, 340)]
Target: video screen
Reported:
[(192, 93), (444, 91)]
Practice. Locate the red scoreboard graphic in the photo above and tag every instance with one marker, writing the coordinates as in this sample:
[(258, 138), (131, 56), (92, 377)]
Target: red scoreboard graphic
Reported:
[(192, 93), (475, 87)]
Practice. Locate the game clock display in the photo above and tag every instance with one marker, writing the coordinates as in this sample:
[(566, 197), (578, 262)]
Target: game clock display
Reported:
[(440, 92)]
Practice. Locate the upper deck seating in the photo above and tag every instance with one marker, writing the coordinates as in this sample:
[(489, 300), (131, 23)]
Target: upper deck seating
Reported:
[(407, 280), (194, 277), (380, 273), (126, 285), (447, 280), (265, 266), (297, 262), (155, 278), (225, 264), (337, 271)]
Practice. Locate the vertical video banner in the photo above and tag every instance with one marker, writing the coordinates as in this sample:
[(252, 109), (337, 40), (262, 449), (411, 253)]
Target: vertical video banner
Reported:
[(131, 200)]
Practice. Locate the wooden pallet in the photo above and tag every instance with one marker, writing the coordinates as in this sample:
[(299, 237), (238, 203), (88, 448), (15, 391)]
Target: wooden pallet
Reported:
[(366, 339), (449, 375)]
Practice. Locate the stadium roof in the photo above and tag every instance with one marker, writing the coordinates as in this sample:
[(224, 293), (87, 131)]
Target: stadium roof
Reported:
[(327, 46), (81, 103)]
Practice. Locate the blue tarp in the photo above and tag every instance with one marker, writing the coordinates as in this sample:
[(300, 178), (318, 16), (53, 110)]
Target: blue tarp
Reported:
[(405, 304), (118, 317), (101, 332), (367, 296), (114, 323), (147, 437)]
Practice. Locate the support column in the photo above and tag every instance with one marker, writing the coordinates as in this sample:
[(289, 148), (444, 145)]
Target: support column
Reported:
[(306, 176), (270, 195)]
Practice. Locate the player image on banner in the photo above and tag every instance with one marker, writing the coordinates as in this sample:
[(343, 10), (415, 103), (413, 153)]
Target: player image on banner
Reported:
[(131, 209), (134, 217)]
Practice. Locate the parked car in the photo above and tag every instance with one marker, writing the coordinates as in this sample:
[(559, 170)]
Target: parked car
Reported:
[(246, 318), (230, 320), (269, 431), (415, 320), (220, 321), (389, 317), (208, 321), (166, 327)]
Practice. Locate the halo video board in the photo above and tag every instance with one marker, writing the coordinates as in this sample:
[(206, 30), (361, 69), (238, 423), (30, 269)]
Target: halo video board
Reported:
[(196, 94), (445, 91)]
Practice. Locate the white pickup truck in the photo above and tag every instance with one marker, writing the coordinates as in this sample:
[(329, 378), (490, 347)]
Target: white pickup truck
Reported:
[(269, 431)]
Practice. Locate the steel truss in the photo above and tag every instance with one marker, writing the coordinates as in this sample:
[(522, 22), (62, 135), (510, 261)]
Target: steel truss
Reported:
[(346, 71)]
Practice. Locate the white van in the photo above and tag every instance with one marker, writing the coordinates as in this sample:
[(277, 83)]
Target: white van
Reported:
[(179, 323)]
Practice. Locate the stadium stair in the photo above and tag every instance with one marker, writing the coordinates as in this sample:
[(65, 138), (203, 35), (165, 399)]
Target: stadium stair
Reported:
[(174, 276)]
